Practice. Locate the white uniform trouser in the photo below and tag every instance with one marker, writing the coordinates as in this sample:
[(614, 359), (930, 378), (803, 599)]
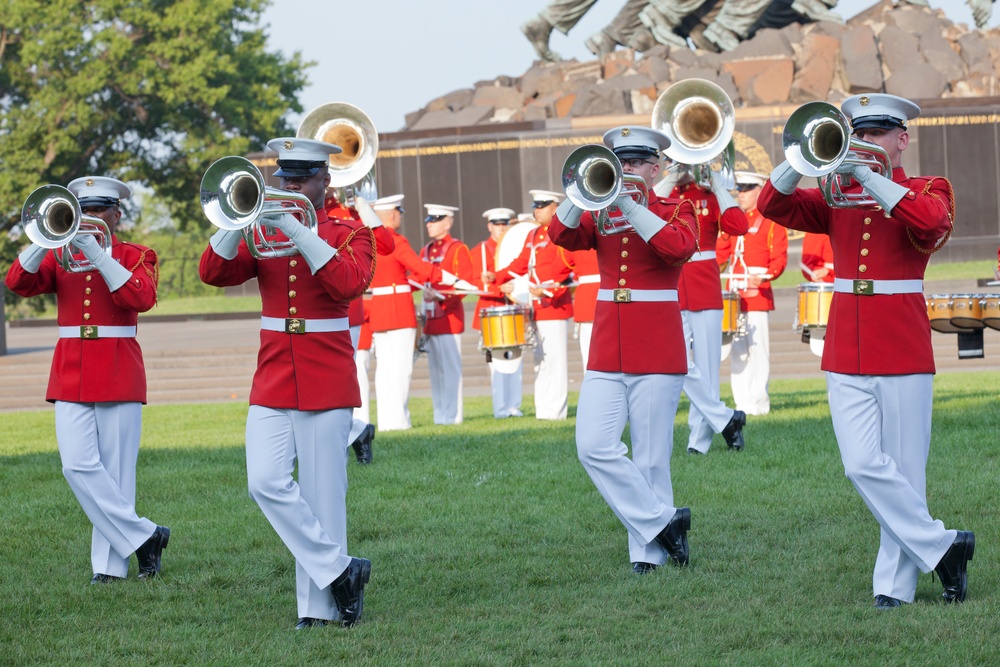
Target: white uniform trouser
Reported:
[(551, 369), (393, 373), (751, 365), (883, 428), (360, 415), (506, 390), (444, 359), (638, 490), (99, 446), (310, 516), (586, 330), (708, 414)]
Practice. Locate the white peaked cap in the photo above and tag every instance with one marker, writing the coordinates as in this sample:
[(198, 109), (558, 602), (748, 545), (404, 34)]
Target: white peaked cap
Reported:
[(499, 214), (99, 187), (388, 203), (546, 195)]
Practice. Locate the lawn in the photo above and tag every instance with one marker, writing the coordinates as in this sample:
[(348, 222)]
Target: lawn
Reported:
[(490, 545)]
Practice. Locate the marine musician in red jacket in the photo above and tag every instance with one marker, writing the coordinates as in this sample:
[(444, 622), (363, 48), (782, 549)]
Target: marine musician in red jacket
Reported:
[(878, 358), (627, 379), (306, 384), (98, 380)]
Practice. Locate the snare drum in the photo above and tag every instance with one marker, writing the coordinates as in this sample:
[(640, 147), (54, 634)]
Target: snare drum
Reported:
[(991, 310), (503, 327), (939, 313), (730, 312), (967, 311), (814, 306)]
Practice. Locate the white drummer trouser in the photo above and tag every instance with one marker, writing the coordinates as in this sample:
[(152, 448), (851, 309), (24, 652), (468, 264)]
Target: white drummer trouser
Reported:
[(551, 369), (585, 330), (707, 414), (444, 360), (883, 428), (310, 514), (751, 365), (361, 415), (99, 446), (506, 390), (638, 489), (393, 373)]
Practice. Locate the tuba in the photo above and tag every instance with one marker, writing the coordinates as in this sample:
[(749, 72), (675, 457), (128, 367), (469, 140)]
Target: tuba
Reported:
[(593, 178), (234, 198), (51, 217), (352, 171), (698, 117), (817, 142)]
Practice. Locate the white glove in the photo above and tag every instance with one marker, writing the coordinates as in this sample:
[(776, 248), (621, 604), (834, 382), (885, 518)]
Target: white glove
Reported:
[(785, 179), (313, 249), (569, 214), (881, 189), (667, 183), (367, 213), (31, 257), (722, 195), (645, 222), (225, 243), (114, 274)]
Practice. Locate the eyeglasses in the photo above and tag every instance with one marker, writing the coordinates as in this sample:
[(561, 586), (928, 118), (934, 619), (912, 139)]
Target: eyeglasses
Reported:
[(635, 162), (95, 208)]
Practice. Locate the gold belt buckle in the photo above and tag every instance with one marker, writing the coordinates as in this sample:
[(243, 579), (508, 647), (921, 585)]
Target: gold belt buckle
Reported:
[(295, 325), (863, 288), (88, 331), (623, 295)]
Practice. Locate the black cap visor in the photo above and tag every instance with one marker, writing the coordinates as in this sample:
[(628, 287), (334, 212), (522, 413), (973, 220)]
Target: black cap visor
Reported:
[(884, 122), (298, 168), (633, 152), (98, 202)]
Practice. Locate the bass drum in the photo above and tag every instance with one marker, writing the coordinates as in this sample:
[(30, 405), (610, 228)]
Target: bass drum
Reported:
[(509, 247)]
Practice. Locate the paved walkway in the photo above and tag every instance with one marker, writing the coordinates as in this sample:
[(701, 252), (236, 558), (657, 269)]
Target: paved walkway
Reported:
[(209, 360)]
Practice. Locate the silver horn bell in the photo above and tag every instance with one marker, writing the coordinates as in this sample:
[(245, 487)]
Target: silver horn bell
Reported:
[(52, 218), (593, 179)]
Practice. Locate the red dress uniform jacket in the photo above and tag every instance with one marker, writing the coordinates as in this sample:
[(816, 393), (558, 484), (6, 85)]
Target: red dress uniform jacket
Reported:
[(700, 288), (622, 331), (584, 263), (384, 244), (817, 253), (365, 339), (448, 254), (764, 245), (311, 371), (103, 369), (879, 334), (486, 250), (550, 264), (395, 311)]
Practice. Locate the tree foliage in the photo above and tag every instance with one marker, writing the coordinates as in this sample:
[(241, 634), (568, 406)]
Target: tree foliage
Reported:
[(149, 91)]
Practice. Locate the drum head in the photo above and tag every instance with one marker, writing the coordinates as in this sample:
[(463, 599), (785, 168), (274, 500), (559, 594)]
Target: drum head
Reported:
[(512, 243)]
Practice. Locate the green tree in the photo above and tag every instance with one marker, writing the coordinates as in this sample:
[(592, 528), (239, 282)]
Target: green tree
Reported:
[(148, 91)]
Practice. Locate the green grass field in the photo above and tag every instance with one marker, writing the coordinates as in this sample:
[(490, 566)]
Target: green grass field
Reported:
[(490, 546)]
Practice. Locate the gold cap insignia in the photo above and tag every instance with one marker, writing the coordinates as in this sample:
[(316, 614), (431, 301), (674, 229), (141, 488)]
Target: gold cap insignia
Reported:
[(626, 131), (90, 183), (289, 145), (864, 100)]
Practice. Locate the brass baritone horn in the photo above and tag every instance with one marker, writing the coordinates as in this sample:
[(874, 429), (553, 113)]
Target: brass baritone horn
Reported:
[(593, 178), (352, 171), (52, 218), (699, 118), (817, 142), (234, 198)]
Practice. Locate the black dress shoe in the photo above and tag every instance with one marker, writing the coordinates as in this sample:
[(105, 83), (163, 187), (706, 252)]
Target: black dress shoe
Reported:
[(149, 553), (643, 568), (673, 537), (310, 623), (349, 590), (886, 602), (953, 568), (363, 445), (105, 579), (733, 433), (692, 450)]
